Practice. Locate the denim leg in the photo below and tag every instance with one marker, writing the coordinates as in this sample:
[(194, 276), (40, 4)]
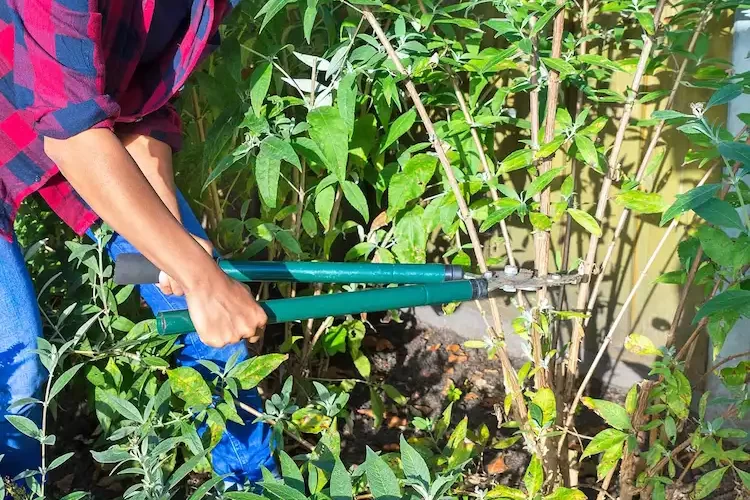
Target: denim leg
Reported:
[(21, 372), (244, 448)]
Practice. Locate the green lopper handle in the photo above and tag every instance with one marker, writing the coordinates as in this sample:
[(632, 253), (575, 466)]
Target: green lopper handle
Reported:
[(135, 269), (339, 304)]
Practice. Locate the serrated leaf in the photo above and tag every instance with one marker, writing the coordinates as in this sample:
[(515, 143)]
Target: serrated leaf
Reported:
[(603, 441), (689, 201), (341, 483), (586, 220), (415, 467), (729, 300), (383, 482), (612, 413)]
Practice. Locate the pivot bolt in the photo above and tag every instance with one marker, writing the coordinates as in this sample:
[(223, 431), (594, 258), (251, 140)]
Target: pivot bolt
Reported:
[(511, 270)]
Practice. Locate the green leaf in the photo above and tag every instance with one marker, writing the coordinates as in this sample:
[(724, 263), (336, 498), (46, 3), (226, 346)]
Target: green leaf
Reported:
[(725, 94), (736, 151), (587, 149), (63, 380), (310, 420), (641, 345), (311, 13), (601, 61), (717, 245), (290, 472), (59, 461), (243, 495), (356, 198), (268, 167), (745, 477), (545, 18), (346, 100), (549, 149), (324, 206), (409, 184), (709, 482), (720, 213), (123, 407), (719, 325), (730, 300), (260, 82), (603, 441), (559, 65), (341, 483), (24, 425), (689, 201), (383, 482), (330, 133), (562, 493), (504, 208), (270, 9), (251, 372), (646, 19), (540, 183), (399, 127), (411, 237), (505, 492), (189, 386), (517, 160), (280, 491), (544, 398), (608, 460), (586, 220), (669, 114), (534, 476), (204, 488), (612, 413), (395, 395), (113, 455), (415, 467), (539, 221), (644, 203)]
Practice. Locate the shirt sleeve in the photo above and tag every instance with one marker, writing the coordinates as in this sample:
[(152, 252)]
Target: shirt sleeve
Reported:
[(59, 70), (163, 125)]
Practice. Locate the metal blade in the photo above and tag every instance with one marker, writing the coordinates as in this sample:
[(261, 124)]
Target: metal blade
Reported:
[(512, 279)]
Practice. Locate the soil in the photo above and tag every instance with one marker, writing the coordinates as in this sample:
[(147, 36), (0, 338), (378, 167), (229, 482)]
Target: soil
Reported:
[(421, 363)]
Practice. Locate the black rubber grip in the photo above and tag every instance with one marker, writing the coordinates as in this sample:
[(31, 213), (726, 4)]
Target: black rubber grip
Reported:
[(454, 273), (135, 269), (480, 289)]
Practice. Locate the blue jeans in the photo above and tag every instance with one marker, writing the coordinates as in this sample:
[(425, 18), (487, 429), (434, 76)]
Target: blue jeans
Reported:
[(242, 450)]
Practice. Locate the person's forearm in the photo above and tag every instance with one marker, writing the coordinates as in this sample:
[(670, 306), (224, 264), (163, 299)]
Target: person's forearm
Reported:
[(100, 169), (154, 158)]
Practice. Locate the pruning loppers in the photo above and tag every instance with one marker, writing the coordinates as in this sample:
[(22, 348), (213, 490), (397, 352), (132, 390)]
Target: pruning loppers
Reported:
[(426, 284)]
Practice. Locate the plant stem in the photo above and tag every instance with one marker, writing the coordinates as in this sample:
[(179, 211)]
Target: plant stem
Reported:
[(213, 191), (725, 361), (45, 406), (252, 411), (622, 222), (612, 174), (510, 374), (621, 314)]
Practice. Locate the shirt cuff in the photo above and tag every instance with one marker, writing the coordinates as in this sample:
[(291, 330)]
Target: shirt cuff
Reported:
[(163, 125), (64, 123)]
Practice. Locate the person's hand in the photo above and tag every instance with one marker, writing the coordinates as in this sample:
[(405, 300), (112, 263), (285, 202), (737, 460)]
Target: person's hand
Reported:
[(169, 286), (224, 311)]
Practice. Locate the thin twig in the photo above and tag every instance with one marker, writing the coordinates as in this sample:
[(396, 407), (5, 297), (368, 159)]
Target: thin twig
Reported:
[(725, 361), (612, 174), (510, 374), (252, 411), (621, 314), (213, 191)]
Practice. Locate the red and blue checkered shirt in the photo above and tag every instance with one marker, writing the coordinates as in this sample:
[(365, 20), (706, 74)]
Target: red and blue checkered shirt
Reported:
[(71, 65)]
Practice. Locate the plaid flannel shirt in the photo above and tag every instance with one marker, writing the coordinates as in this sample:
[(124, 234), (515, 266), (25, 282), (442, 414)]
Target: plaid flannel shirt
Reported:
[(71, 65)]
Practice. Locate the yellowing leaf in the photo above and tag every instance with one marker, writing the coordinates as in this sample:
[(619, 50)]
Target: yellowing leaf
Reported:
[(586, 220), (642, 345)]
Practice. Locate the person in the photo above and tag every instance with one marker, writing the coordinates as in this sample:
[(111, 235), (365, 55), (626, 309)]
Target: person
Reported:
[(87, 121)]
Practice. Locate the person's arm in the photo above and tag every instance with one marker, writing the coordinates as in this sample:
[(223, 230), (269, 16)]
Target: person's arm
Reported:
[(101, 170)]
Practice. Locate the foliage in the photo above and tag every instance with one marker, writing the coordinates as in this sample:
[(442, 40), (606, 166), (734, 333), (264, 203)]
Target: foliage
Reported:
[(306, 139)]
